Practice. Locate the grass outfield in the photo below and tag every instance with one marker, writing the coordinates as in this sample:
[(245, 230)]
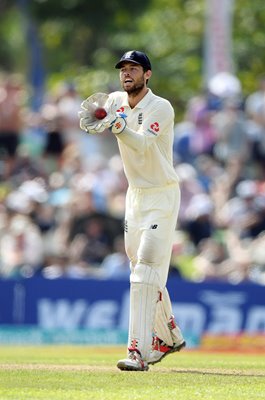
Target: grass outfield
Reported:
[(79, 372)]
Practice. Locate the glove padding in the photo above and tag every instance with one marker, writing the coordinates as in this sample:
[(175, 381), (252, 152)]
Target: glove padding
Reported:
[(88, 121), (113, 120)]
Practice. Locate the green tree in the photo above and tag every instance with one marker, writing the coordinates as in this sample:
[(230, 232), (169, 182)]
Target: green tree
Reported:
[(82, 40), (248, 42)]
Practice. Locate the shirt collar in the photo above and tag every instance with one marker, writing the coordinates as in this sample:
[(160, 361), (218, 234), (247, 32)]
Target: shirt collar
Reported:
[(145, 100)]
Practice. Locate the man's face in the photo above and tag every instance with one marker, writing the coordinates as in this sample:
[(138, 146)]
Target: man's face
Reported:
[(132, 77)]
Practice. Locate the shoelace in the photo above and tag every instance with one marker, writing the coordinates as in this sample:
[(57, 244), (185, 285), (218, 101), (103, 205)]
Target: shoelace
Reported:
[(134, 356)]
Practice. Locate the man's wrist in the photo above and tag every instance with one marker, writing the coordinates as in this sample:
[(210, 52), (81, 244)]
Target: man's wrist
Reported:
[(118, 126)]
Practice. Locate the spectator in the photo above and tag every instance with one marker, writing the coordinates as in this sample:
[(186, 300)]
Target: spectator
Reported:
[(116, 265), (255, 111), (199, 218), (222, 260), (230, 125), (189, 185), (21, 244), (11, 119), (62, 211), (55, 141), (95, 242), (244, 213), (204, 133)]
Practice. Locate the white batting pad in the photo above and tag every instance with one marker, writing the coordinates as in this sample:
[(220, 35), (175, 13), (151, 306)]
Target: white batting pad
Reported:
[(166, 327), (143, 301)]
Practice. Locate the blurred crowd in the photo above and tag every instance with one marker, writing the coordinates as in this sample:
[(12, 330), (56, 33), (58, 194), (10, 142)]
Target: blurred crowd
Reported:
[(62, 192)]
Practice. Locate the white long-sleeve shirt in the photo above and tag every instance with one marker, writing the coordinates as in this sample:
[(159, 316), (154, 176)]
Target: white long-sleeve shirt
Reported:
[(147, 141)]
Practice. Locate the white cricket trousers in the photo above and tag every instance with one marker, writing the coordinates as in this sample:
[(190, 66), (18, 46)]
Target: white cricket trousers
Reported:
[(150, 223)]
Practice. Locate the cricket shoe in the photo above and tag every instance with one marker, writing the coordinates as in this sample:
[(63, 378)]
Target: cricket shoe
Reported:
[(161, 349), (134, 362)]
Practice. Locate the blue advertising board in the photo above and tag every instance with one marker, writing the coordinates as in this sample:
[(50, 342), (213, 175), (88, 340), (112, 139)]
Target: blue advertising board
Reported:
[(101, 305)]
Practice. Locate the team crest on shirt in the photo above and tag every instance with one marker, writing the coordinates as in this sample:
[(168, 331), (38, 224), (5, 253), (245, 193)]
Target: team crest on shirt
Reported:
[(154, 128)]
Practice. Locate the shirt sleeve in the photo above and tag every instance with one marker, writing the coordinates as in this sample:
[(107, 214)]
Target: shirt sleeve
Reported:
[(158, 122)]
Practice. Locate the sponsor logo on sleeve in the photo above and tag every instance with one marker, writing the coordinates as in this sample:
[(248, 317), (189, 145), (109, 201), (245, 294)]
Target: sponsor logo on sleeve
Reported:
[(154, 128)]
